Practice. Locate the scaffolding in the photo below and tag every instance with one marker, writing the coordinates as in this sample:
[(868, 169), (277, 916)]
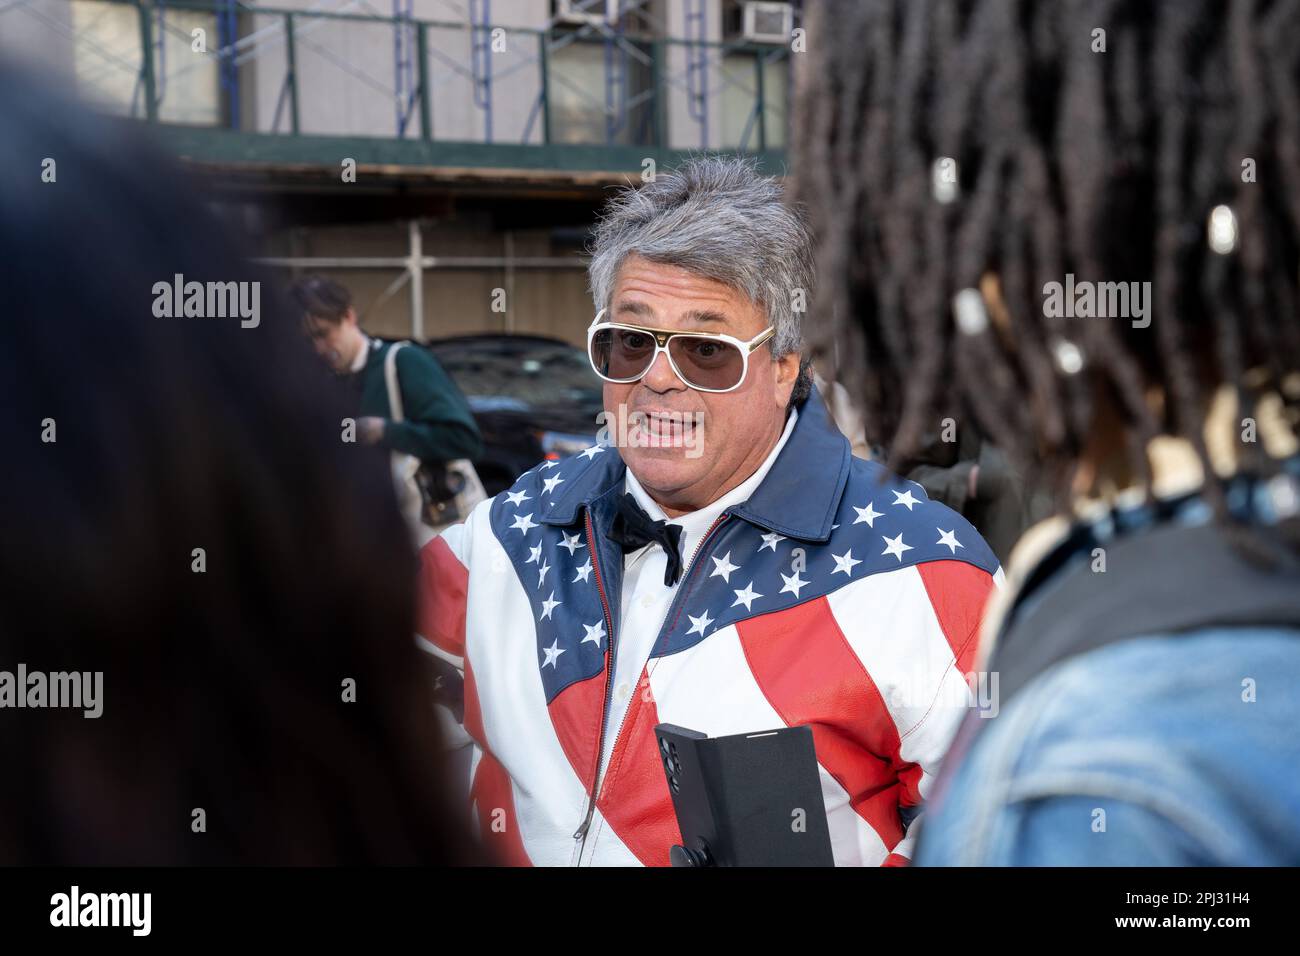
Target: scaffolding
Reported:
[(247, 33)]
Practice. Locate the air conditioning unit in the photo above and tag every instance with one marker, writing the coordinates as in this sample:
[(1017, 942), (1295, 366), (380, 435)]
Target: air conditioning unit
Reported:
[(595, 12), (764, 22)]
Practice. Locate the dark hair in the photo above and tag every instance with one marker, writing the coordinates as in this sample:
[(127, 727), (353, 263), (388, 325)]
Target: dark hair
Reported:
[(321, 298), (1102, 164), (223, 686)]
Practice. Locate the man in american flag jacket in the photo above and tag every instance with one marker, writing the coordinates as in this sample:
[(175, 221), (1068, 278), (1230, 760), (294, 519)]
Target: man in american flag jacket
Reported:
[(789, 582)]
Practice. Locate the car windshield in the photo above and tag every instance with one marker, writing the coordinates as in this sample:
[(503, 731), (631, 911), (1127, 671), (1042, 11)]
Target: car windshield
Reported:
[(520, 375)]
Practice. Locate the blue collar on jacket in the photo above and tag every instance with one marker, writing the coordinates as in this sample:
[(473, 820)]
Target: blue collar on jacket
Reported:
[(798, 498)]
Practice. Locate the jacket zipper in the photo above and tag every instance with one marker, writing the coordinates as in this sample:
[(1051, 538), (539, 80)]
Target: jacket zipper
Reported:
[(581, 832)]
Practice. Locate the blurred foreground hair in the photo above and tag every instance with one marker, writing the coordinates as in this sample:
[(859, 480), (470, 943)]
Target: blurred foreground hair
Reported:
[(132, 441), (1068, 160)]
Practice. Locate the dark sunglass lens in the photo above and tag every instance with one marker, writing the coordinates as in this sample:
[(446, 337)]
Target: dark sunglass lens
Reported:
[(707, 363), (630, 353), (598, 349)]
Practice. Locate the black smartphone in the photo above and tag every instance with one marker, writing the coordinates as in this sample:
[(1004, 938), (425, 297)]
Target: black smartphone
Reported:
[(745, 799)]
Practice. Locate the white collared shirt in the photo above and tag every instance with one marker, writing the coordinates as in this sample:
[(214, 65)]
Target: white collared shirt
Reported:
[(645, 599)]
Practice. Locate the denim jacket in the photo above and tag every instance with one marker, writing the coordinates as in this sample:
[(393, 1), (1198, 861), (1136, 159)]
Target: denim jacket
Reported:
[(1177, 748)]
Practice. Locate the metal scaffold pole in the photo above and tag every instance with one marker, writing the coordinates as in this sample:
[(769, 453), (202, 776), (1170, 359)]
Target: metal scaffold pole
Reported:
[(403, 64), (415, 265), (697, 67), (481, 60)]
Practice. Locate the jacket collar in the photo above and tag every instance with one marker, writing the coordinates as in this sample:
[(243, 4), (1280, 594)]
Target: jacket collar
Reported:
[(798, 498)]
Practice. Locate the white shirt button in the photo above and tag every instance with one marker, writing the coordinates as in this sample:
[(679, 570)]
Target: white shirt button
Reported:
[(623, 690), (648, 601)]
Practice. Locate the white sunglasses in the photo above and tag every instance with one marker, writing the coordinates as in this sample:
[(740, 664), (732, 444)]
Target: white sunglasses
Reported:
[(706, 361)]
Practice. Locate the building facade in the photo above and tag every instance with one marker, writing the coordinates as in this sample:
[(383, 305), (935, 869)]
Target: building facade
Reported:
[(444, 158)]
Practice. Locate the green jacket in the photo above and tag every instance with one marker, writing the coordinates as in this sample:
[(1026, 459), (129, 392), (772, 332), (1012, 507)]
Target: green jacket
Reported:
[(438, 425)]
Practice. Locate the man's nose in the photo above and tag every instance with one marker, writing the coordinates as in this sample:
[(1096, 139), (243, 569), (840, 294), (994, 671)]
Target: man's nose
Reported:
[(660, 377)]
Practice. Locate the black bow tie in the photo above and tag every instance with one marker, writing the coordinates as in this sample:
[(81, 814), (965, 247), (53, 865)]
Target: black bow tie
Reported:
[(634, 529)]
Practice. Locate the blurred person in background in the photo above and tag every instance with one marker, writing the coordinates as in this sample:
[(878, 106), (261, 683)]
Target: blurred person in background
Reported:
[(956, 466), (963, 469), (406, 403), (184, 519), (845, 414), (1148, 644)]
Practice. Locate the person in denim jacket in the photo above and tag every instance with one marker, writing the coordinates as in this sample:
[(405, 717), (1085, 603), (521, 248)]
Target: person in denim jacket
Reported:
[(1172, 746)]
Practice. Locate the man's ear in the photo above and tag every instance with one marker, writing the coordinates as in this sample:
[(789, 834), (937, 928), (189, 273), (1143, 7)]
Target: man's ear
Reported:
[(787, 373), (350, 316)]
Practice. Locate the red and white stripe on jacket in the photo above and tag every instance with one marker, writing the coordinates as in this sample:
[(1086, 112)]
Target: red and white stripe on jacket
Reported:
[(871, 651)]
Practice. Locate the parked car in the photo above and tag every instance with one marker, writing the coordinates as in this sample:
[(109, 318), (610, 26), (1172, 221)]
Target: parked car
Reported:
[(533, 397)]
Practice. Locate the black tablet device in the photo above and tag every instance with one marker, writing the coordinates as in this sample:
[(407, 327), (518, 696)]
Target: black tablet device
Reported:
[(746, 799)]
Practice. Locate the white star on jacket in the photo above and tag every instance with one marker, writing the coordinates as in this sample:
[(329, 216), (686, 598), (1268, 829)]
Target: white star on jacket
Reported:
[(869, 514), (549, 605), (844, 563), (950, 539), (746, 596), (524, 523), (905, 498), (724, 567), (552, 654), (594, 632), (793, 583), (896, 547), (698, 624)]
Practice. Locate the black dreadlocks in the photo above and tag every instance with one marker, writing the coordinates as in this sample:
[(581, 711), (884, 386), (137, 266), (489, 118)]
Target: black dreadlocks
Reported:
[(1069, 160)]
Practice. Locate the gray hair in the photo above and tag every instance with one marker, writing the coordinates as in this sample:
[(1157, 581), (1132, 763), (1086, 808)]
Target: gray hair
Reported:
[(718, 217)]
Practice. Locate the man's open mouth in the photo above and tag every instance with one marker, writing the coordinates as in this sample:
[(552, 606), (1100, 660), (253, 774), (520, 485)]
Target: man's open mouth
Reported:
[(663, 429)]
